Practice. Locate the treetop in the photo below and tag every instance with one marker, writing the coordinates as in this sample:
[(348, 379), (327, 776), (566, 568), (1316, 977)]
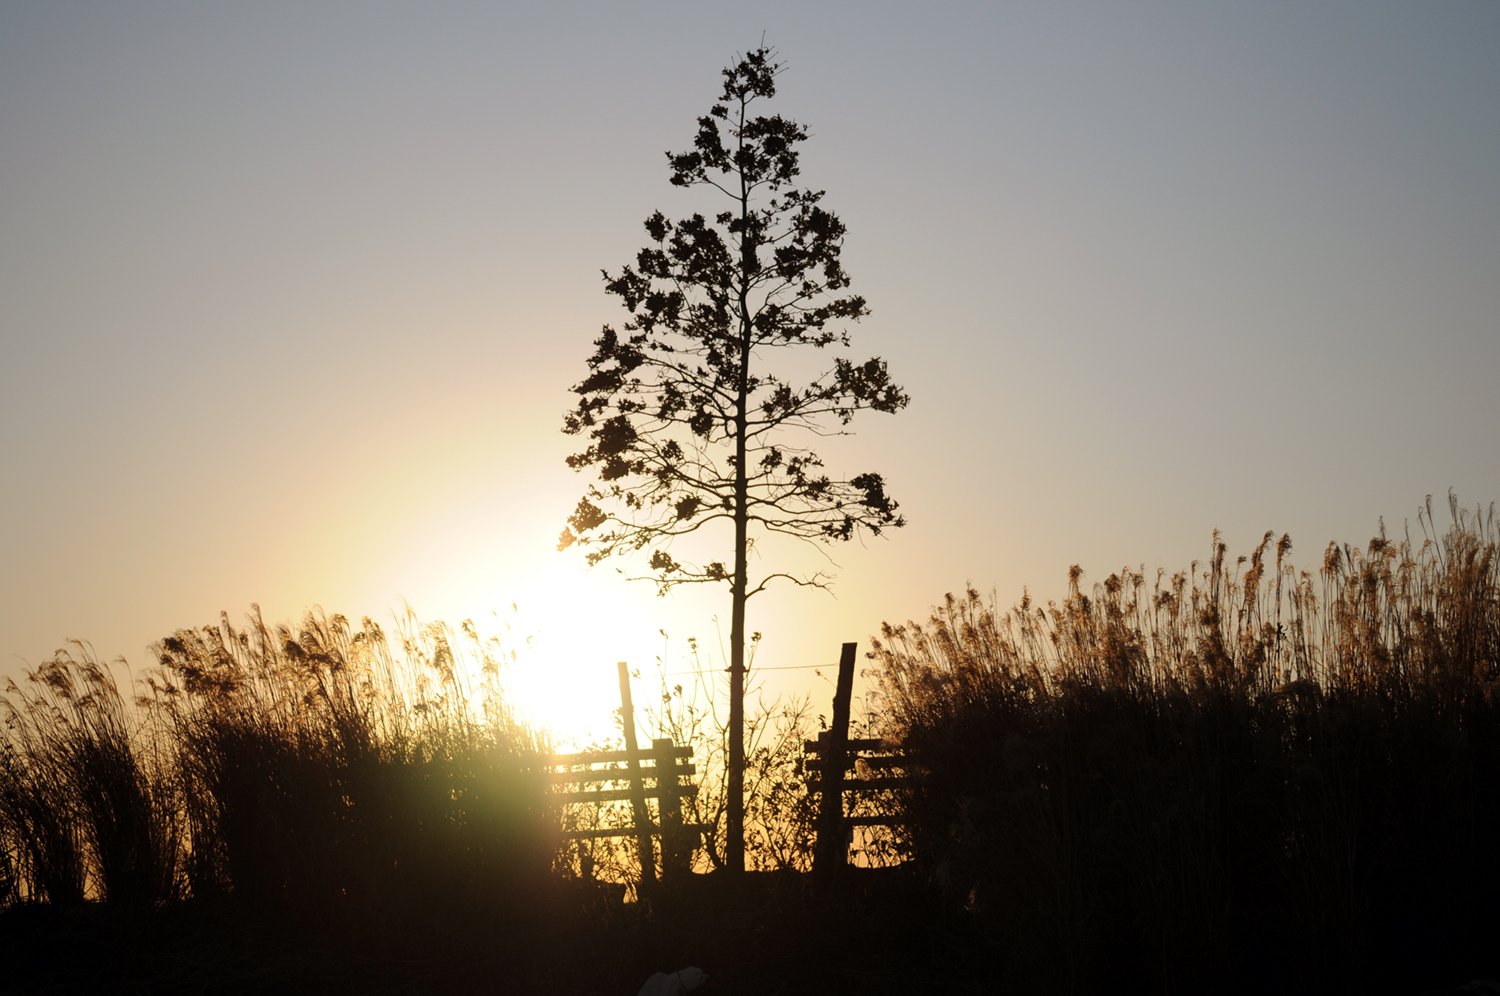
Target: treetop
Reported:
[(689, 415)]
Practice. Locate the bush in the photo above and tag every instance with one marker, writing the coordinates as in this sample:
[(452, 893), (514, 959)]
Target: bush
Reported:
[(1236, 775)]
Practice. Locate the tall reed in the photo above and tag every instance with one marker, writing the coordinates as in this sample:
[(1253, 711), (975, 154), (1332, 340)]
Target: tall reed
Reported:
[(321, 765), (295, 768), (89, 801), (1243, 771)]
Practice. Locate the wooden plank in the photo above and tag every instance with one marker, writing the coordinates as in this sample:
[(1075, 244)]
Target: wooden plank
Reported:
[(876, 784), (603, 832), (863, 743), (617, 774), (883, 762), (874, 821), (616, 795), (600, 834), (605, 757)]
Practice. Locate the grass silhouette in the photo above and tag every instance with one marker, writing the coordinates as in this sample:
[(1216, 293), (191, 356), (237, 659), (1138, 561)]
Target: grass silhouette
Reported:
[(88, 803), (1243, 775)]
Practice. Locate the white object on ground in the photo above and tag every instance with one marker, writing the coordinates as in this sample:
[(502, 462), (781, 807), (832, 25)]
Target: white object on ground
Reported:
[(679, 982)]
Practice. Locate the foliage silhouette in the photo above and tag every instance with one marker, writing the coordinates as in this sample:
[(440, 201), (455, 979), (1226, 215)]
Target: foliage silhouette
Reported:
[(88, 799), (1243, 776), (320, 767), (687, 423)]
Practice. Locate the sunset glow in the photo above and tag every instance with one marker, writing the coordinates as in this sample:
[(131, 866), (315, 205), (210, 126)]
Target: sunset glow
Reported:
[(267, 343), (1032, 464)]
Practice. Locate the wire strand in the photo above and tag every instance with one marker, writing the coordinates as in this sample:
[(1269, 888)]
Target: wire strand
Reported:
[(781, 667)]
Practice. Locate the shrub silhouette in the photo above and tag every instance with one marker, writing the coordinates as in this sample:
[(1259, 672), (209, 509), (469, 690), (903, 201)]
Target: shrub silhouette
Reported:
[(1236, 774), (319, 768), (1243, 775), (87, 804), (288, 770)]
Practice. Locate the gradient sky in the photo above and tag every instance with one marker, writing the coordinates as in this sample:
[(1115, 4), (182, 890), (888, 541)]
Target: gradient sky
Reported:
[(291, 295)]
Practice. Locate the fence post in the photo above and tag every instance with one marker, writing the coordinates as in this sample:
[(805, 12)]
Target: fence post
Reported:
[(637, 786), (676, 852), (833, 759)]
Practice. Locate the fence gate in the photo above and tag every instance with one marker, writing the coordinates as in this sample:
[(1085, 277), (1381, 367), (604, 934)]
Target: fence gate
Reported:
[(829, 760), (662, 772)]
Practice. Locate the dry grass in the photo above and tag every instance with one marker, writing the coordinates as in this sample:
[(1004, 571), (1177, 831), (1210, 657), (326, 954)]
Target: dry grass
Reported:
[(320, 766), (286, 768), (1243, 773), (1243, 776), (1401, 620), (88, 801)]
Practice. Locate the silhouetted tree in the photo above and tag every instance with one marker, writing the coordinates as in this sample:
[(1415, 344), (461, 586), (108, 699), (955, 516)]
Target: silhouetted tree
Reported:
[(687, 421)]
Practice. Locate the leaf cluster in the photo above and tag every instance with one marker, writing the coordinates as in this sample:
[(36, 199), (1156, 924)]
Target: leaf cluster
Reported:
[(686, 419)]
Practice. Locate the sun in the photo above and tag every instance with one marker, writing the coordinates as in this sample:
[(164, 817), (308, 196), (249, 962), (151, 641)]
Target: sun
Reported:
[(574, 626), (558, 627)]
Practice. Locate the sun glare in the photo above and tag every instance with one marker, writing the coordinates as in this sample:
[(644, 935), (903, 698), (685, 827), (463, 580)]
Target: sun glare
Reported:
[(559, 627), (572, 630)]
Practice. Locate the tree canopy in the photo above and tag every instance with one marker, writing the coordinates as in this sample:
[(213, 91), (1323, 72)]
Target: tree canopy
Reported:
[(683, 407)]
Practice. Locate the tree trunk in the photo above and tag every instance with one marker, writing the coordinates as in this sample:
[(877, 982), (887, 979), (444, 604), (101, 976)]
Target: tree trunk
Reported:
[(734, 846), (734, 821)]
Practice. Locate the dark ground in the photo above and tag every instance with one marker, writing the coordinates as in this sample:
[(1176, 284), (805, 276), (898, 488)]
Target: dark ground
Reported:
[(768, 934)]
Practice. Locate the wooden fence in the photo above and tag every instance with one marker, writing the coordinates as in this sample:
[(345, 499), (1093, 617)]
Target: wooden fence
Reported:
[(877, 768), (662, 772)]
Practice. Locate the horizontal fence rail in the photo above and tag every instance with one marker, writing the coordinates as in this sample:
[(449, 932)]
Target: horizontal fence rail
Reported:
[(876, 767), (661, 773), (658, 780)]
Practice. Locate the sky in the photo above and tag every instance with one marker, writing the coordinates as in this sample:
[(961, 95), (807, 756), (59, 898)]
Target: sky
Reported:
[(292, 296)]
